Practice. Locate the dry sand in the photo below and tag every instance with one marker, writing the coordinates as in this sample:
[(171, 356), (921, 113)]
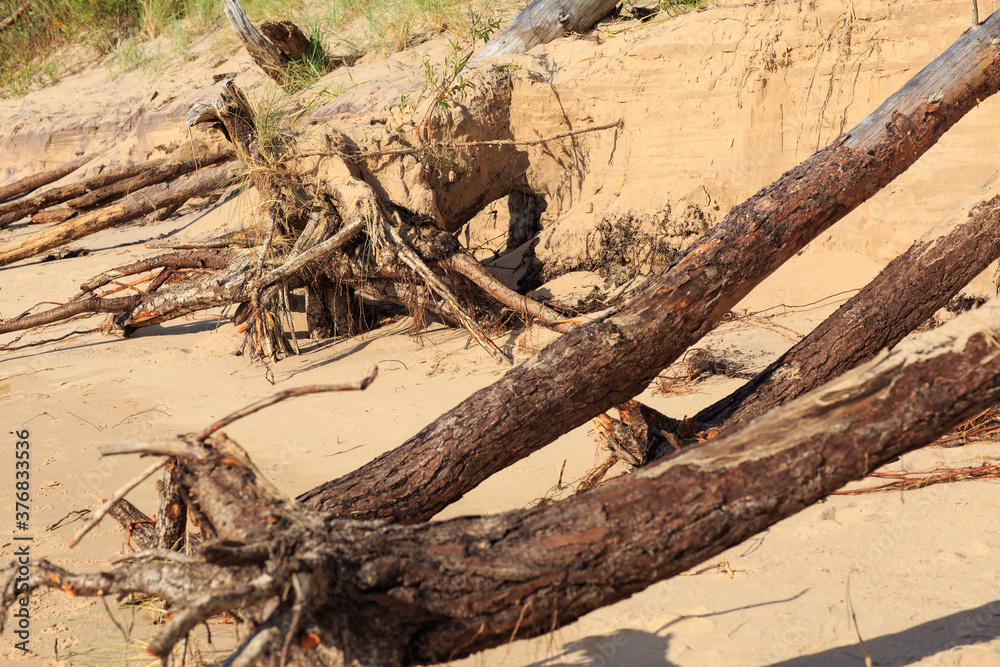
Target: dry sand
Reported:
[(716, 105)]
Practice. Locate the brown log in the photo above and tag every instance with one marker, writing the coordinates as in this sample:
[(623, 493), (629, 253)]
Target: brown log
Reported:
[(13, 211), (121, 304), (131, 207), (149, 174), (402, 595), (50, 215), (467, 266), (905, 294), (141, 529), (35, 181), (288, 37), (190, 259), (533, 404)]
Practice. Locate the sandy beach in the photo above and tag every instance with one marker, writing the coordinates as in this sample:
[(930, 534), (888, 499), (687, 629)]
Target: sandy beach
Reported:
[(716, 104)]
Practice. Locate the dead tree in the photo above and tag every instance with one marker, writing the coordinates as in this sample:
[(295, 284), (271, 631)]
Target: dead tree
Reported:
[(904, 295), (129, 208), (535, 403), (35, 181), (361, 593), (273, 47), (319, 584), (544, 20)]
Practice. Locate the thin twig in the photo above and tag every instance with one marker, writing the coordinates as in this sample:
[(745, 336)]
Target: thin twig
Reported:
[(156, 554), (106, 507), (11, 348), (281, 396), (461, 144)]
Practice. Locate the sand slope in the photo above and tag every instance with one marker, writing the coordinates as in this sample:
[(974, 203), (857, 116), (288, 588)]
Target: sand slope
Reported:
[(716, 104)]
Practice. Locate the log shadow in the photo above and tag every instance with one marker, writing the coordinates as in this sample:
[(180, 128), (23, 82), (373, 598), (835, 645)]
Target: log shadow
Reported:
[(622, 647), (627, 646), (964, 628)]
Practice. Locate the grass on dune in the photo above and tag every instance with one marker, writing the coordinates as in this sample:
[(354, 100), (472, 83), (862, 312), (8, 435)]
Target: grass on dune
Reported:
[(35, 47)]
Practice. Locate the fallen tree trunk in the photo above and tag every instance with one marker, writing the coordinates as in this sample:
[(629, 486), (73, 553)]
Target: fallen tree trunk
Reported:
[(904, 295), (86, 303), (168, 168), (35, 181), (537, 402), (380, 594), (148, 174), (131, 207), (544, 20)]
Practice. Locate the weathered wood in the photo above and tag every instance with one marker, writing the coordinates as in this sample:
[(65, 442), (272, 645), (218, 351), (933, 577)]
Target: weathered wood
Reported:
[(189, 259), (121, 304), (267, 56), (141, 528), (148, 174), (544, 20), (13, 211), (537, 402), (50, 215), (35, 181), (400, 595), (131, 207), (905, 294), (467, 266), (287, 36)]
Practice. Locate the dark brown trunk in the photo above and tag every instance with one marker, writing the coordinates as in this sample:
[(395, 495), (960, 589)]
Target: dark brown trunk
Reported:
[(904, 295), (533, 404), (387, 594)]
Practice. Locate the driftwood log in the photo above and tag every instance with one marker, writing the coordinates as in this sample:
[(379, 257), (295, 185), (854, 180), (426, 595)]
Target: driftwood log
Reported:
[(109, 185), (544, 20), (904, 295), (553, 393), (35, 181), (129, 208), (321, 585), (362, 593)]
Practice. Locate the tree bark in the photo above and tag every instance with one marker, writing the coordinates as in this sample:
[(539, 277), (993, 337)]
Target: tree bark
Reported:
[(131, 207), (904, 295), (384, 594), (149, 174), (535, 403), (35, 181)]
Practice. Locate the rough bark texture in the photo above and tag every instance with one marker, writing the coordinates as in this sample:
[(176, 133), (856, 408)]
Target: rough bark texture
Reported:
[(381, 594), (149, 174), (535, 403), (905, 294), (264, 52), (129, 208)]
